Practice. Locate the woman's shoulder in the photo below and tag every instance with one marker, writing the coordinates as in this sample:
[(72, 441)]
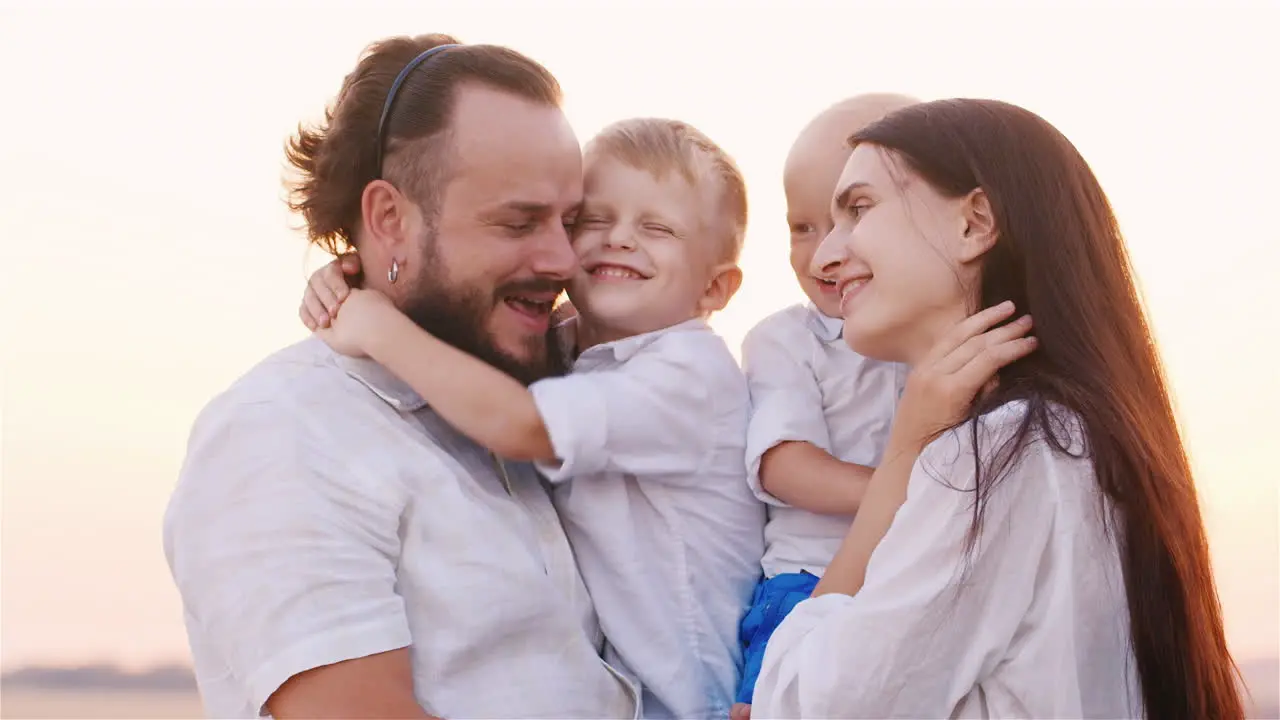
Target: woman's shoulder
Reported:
[(1018, 437), (1044, 423)]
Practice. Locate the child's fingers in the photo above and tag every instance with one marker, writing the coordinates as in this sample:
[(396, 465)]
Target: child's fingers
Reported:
[(350, 264), (321, 286), (315, 309), (304, 315)]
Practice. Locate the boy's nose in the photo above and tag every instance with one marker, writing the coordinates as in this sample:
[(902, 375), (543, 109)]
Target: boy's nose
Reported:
[(621, 238)]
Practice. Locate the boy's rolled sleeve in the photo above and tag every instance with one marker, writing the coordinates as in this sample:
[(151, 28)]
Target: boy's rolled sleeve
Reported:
[(646, 417), (786, 402)]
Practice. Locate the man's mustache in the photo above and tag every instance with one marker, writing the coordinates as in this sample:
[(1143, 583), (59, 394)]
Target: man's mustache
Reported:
[(531, 285)]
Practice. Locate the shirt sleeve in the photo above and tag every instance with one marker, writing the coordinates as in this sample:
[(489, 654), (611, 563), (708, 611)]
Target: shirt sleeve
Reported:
[(921, 634), (650, 416), (284, 557), (786, 402)]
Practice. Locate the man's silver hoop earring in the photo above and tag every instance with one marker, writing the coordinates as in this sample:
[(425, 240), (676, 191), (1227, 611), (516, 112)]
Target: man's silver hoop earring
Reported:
[(394, 272)]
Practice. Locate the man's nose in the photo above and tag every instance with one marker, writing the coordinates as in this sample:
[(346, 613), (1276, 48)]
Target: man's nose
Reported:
[(554, 257)]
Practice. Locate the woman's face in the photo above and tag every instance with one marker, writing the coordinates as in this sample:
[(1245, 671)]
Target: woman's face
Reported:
[(902, 255)]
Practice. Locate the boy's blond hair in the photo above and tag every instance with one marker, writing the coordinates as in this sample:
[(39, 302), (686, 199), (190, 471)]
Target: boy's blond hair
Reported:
[(660, 146)]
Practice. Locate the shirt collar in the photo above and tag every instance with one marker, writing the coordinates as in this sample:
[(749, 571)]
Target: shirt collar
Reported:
[(623, 350), (828, 329), (394, 391), (565, 337)]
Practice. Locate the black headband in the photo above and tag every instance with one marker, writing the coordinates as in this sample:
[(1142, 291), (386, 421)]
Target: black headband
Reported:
[(395, 90)]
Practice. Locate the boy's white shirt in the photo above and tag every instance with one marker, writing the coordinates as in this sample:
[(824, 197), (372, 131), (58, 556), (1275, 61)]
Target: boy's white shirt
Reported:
[(668, 536), (808, 386)]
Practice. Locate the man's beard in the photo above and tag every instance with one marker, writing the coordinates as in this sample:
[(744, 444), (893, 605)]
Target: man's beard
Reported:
[(459, 317)]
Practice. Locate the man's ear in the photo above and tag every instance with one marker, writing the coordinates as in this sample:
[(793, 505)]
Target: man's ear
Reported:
[(979, 232), (386, 241), (724, 283), (384, 215)]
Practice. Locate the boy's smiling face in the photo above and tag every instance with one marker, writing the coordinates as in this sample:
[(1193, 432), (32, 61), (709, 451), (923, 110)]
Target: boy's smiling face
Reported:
[(646, 248), (809, 180)]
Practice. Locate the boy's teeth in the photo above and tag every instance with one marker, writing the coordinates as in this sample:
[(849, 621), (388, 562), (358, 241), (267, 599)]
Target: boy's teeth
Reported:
[(615, 272)]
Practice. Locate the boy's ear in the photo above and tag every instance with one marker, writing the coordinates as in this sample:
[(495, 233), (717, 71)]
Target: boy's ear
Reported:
[(725, 281)]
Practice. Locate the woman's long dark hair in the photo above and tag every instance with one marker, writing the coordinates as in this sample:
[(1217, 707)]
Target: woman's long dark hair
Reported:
[(1060, 257)]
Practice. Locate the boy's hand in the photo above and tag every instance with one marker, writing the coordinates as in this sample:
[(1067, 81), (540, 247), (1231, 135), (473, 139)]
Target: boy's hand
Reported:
[(326, 291), (941, 388), (363, 319)]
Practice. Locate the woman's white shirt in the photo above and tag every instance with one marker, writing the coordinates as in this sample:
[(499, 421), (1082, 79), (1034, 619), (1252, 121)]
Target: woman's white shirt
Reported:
[(1032, 622)]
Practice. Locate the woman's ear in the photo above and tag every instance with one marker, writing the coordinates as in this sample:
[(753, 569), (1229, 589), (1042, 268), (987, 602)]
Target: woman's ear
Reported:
[(979, 233)]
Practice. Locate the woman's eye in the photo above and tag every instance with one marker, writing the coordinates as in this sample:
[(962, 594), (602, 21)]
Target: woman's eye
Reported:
[(801, 228), (856, 210)]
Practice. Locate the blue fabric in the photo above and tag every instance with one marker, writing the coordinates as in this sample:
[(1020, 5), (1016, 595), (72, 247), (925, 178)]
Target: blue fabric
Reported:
[(773, 600)]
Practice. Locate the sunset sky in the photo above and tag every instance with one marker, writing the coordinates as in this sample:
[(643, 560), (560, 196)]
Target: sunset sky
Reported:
[(151, 260)]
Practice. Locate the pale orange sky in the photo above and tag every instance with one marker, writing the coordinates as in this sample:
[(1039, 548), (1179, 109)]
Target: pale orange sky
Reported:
[(140, 162)]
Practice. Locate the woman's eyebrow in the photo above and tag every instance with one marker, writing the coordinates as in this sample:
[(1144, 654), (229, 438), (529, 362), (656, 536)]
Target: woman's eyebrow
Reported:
[(846, 195)]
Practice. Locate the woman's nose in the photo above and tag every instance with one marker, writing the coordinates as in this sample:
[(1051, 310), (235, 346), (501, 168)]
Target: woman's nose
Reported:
[(830, 255)]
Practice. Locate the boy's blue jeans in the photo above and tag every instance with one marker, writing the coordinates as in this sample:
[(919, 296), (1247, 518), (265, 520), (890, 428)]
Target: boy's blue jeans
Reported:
[(773, 599)]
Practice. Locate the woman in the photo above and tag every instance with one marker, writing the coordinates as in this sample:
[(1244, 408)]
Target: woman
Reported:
[(1038, 545)]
